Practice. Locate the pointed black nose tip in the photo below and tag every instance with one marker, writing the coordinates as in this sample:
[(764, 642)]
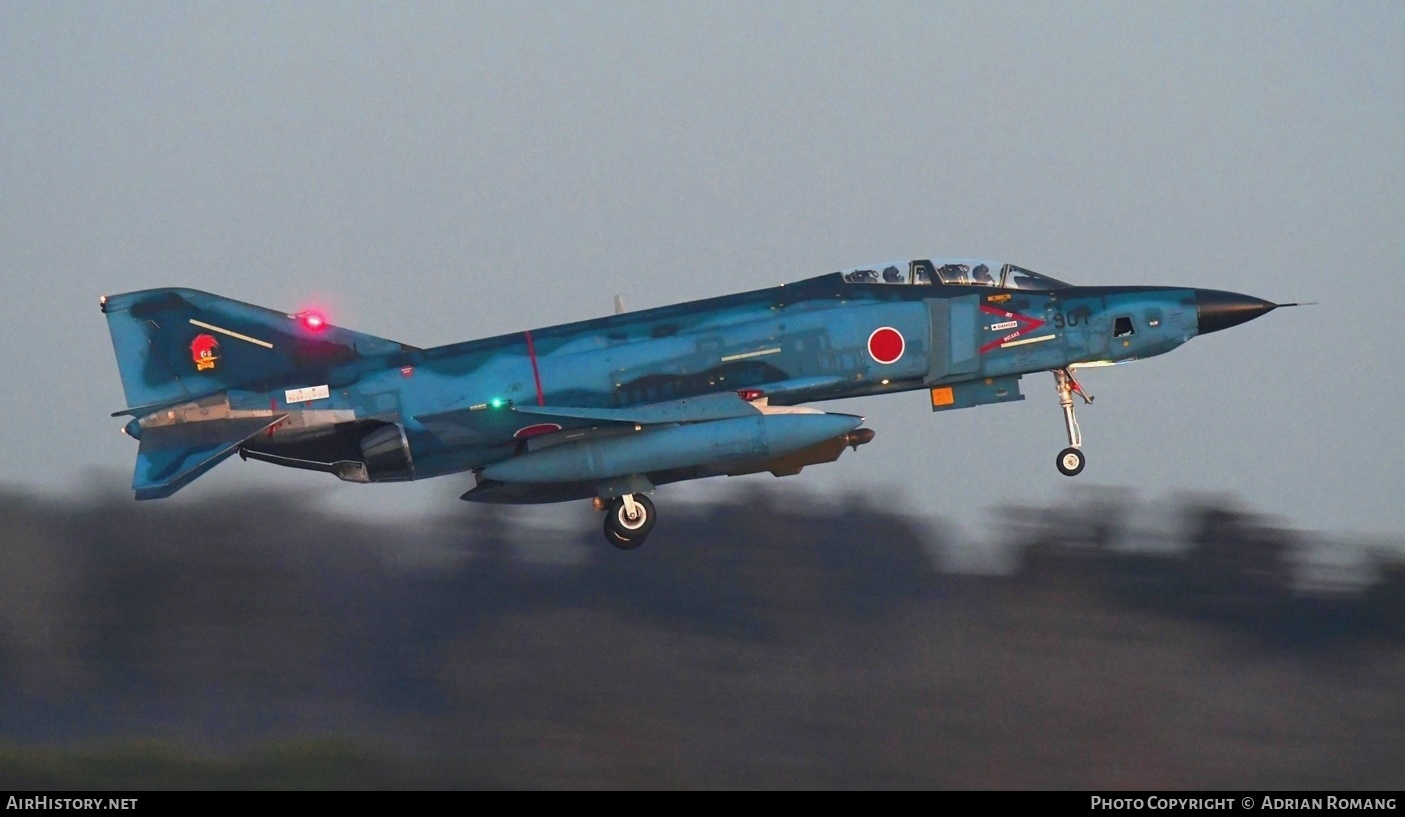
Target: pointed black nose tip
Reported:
[(1221, 310)]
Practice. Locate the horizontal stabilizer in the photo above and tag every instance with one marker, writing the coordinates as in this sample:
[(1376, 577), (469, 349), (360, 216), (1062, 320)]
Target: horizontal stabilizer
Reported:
[(139, 411), (172, 456)]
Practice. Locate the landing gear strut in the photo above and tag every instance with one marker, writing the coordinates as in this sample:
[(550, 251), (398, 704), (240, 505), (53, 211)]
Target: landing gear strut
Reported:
[(1071, 459), (628, 521)]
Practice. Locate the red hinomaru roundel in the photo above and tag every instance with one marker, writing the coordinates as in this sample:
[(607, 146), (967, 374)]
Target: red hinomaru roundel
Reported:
[(205, 351), (886, 345)]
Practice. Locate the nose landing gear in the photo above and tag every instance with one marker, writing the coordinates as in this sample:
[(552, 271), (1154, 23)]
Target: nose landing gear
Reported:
[(628, 521), (1071, 459)]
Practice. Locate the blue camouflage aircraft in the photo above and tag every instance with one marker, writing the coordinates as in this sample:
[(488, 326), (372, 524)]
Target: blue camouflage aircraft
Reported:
[(607, 409)]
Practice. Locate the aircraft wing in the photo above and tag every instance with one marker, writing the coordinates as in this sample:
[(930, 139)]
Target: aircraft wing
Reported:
[(722, 406), (717, 406), (469, 426)]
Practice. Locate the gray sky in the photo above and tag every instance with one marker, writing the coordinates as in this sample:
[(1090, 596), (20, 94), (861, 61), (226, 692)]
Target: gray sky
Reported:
[(433, 173)]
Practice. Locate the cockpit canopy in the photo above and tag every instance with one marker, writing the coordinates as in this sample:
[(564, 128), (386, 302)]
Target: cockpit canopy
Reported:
[(957, 271)]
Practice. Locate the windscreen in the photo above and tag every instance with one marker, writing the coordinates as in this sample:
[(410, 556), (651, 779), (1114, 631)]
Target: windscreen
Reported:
[(951, 272)]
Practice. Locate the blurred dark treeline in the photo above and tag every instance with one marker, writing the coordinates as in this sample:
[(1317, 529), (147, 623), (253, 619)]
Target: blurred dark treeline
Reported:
[(259, 640)]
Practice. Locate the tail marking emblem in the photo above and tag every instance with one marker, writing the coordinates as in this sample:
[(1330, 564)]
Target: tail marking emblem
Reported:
[(205, 351)]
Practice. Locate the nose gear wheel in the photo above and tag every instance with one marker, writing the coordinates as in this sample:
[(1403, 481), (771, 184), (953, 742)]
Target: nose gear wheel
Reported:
[(1070, 462)]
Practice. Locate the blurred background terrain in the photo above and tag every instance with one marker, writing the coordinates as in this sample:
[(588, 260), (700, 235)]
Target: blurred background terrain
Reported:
[(267, 639)]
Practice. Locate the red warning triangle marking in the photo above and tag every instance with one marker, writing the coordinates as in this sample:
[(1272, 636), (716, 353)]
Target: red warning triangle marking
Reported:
[(1026, 325)]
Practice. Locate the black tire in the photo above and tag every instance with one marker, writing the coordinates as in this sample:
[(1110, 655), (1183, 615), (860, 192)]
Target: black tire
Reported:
[(623, 527), (619, 542), (1071, 462)]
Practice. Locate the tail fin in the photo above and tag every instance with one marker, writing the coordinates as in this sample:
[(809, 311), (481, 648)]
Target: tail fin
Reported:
[(175, 345)]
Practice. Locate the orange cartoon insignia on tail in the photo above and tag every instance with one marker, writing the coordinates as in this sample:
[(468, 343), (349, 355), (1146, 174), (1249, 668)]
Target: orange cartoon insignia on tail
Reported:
[(205, 351)]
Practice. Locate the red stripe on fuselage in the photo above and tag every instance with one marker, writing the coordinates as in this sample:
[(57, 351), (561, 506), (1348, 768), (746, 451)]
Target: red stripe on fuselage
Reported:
[(536, 374)]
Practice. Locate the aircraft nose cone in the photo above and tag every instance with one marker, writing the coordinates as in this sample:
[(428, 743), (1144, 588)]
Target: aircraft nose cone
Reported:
[(1221, 310)]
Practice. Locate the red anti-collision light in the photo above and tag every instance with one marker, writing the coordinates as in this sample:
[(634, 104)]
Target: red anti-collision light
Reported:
[(313, 321), (751, 394)]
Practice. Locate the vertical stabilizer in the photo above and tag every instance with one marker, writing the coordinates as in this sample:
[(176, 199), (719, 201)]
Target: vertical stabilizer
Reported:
[(175, 345)]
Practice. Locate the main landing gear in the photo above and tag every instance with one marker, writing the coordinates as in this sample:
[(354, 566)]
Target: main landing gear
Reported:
[(1071, 459), (628, 520)]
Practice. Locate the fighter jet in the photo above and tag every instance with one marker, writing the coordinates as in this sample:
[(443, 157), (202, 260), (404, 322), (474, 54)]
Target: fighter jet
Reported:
[(608, 409)]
